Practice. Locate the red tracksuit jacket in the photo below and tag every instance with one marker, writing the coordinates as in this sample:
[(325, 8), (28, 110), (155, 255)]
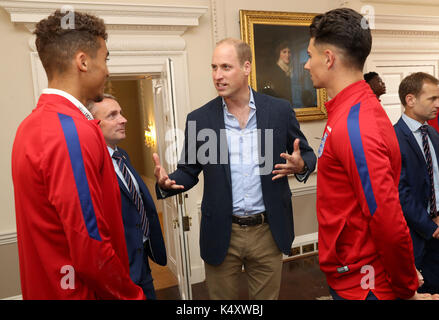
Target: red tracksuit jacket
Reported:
[(434, 123), (68, 208), (364, 241)]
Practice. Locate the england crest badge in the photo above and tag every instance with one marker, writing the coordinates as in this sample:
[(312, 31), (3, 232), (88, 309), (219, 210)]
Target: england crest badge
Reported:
[(322, 144)]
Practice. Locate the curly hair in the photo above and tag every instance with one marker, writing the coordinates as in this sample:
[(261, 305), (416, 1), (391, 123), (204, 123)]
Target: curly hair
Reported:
[(57, 45), (344, 28)]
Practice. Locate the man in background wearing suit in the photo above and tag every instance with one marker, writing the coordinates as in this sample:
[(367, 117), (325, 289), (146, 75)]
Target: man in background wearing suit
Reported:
[(143, 234), (247, 218), (419, 183)]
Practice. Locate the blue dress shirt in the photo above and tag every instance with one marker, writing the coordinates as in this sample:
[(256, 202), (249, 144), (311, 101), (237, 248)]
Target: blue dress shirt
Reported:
[(244, 162)]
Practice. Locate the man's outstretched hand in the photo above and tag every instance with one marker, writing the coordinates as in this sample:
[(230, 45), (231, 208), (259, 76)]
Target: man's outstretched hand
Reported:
[(294, 164), (162, 177)]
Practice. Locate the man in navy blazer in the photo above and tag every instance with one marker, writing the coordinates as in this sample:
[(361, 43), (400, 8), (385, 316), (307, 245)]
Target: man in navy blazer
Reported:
[(112, 123), (247, 218), (419, 93)]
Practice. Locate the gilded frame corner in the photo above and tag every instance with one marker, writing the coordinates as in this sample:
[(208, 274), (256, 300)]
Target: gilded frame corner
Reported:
[(248, 20)]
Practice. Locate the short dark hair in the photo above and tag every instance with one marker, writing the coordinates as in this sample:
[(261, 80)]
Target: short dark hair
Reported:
[(56, 45), (413, 84), (345, 29), (369, 76), (282, 45)]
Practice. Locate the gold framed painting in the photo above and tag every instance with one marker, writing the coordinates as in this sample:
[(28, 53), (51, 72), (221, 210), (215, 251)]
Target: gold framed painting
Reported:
[(279, 42)]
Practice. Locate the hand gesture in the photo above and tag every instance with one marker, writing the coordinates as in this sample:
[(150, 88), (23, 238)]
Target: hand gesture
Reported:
[(162, 177), (424, 296), (420, 278), (294, 163)]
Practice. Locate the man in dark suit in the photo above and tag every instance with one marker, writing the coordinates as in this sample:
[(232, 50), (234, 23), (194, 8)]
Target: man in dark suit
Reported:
[(247, 218), (419, 183), (143, 234)]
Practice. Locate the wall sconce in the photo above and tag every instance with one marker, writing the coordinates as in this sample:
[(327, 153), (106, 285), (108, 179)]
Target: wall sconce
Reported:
[(150, 137)]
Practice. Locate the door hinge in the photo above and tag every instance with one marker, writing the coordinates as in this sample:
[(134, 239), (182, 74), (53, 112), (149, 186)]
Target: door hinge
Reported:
[(187, 223)]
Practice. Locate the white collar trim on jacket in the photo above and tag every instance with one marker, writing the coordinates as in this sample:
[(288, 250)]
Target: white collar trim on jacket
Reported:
[(72, 99)]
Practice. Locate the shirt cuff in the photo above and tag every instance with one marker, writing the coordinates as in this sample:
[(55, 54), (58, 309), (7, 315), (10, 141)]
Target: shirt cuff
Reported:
[(163, 193), (302, 176)]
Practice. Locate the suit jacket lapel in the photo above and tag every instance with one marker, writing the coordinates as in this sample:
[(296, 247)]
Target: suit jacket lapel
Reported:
[(262, 113), (122, 187), (218, 125), (411, 139), (262, 123)]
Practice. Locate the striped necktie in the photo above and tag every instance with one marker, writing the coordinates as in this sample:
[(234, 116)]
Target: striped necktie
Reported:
[(432, 200), (120, 159)]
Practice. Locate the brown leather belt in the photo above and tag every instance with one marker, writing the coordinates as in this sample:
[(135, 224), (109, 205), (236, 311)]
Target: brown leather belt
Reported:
[(252, 220)]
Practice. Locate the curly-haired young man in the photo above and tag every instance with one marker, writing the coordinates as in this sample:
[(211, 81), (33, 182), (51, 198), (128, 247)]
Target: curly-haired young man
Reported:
[(68, 211), (365, 247)]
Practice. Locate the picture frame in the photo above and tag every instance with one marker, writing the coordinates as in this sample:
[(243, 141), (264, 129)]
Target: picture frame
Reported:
[(272, 73)]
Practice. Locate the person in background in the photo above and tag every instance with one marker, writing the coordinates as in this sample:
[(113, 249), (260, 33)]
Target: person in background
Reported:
[(143, 233), (376, 83), (419, 183), (278, 78)]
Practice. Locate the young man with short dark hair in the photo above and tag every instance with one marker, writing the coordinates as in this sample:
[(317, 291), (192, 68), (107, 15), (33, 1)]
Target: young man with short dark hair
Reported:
[(365, 248), (68, 211)]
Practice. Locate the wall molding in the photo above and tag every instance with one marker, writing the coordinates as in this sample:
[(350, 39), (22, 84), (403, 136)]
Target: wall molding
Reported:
[(219, 28), (303, 190), (400, 23), (128, 15), (303, 245), (19, 297), (405, 2), (8, 237)]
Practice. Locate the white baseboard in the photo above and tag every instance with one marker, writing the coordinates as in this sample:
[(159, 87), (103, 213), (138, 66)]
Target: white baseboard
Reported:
[(8, 237), (198, 274), (20, 297), (303, 245)]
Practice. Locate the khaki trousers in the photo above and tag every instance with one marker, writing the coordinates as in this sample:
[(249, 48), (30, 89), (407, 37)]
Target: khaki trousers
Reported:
[(254, 248)]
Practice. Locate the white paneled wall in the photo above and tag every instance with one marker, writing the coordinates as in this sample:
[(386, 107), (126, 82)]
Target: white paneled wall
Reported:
[(402, 45)]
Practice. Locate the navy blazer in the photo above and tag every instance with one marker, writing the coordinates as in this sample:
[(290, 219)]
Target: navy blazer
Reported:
[(155, 247), (414, 187), (217, 204)]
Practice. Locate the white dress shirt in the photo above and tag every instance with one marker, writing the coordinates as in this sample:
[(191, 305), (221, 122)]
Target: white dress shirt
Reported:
[(72, 99)]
